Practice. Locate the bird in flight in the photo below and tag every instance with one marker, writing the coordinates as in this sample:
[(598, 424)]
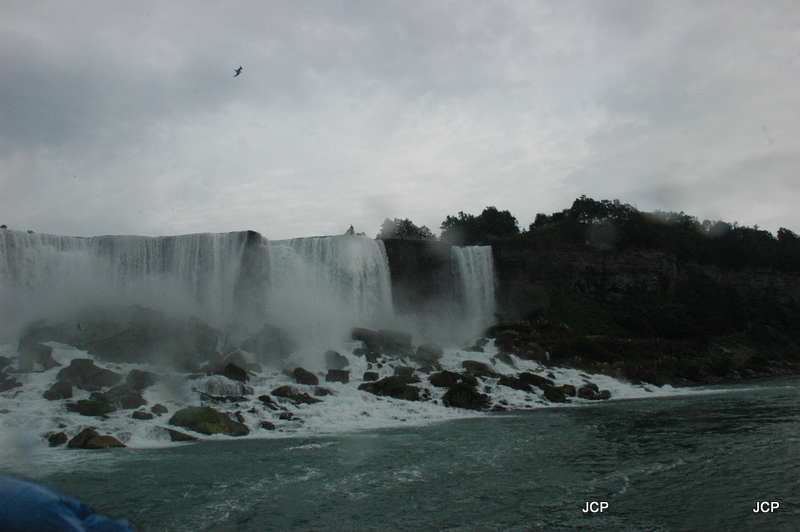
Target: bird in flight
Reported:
[(238, 71)]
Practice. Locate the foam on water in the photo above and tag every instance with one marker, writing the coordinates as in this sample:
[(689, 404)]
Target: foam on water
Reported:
[(27, 417)]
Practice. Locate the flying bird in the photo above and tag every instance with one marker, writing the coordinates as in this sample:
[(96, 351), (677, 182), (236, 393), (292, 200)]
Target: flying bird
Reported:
[(238, 71)]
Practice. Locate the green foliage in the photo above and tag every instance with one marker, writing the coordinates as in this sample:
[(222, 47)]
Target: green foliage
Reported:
[(405, 228), (467, 229)]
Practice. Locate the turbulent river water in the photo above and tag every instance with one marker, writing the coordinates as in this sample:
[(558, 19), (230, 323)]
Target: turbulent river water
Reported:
[(699, 461)]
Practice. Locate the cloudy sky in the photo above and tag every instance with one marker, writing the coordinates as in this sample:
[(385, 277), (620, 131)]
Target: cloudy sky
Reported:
[(125, 118)]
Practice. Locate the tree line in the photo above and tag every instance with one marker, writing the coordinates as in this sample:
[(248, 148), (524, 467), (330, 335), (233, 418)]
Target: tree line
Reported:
[(611, 224)]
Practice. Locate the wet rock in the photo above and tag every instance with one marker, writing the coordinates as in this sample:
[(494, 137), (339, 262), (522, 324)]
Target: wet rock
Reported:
[(406, 373), (569, 390), (469, 379), (4, 362), (92, 407), (234, 372), (287, 392), (268, 402), (84, 374), (338, 375), (142, 415), (222, 389), (271, 345), (33, 353), (266, 425), (139, 380), (130, 400), (393, 387), (371, 376), (91, 439), (591, 392), (59, 438), (463, 395), (478, 369), (444, 379), (555, 394), (206, 420), (505, 358), (535, 380), (302, 376), (395, 343), (176, 435), (322, 392), (515, 383), (473, 349), (8, 383), (428, 354), (334, 360), (59, 390), (370, 338), (159, 409)]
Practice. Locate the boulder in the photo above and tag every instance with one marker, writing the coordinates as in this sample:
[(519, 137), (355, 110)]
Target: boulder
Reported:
[(406, 373), (287, 392), (91, 407), (34, 353), (555, 394), (139, 380), (176, 435), (370, 338), (234, 372), (505, 358), (514, 382), (463, 395), (334, 360), (84, 374), (338, 375), (8, 383), (59, 438), (394, 340), (90, 439), (4, 362), (569, 390), (268, 402), (302, 376), (591, 392), (535, 380), (142, 415), (444, 379), (59, 390), (393, 387), (267, 425), (371, 376), (159, 409), (206, 420), (478, 369), (271, 345), (428, 354)]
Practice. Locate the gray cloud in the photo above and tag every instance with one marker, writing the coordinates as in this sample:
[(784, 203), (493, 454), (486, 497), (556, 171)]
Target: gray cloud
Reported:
[(126, 118)]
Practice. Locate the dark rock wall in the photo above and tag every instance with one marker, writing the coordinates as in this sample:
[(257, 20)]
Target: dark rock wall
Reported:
[(421, 273)]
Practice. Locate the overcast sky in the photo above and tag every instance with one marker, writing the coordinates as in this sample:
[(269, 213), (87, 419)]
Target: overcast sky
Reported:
[(125, 118)]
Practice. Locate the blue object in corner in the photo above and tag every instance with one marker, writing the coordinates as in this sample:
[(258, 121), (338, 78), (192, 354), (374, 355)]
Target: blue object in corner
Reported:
[(26, 506)]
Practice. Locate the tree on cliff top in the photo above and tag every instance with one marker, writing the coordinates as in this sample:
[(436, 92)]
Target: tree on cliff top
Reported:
[(467, 229), (405, 228)]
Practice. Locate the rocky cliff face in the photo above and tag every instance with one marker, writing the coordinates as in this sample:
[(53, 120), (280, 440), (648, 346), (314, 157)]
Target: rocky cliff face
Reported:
[(421, 273), (526, 277)]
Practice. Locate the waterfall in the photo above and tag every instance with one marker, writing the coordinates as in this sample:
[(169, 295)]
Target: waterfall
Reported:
[(323, 286), (48, 276), (473, 274)]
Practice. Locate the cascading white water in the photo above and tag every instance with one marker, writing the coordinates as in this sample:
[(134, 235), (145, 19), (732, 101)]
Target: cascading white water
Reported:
[(473, 273), (44, 276), (323, 286)]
